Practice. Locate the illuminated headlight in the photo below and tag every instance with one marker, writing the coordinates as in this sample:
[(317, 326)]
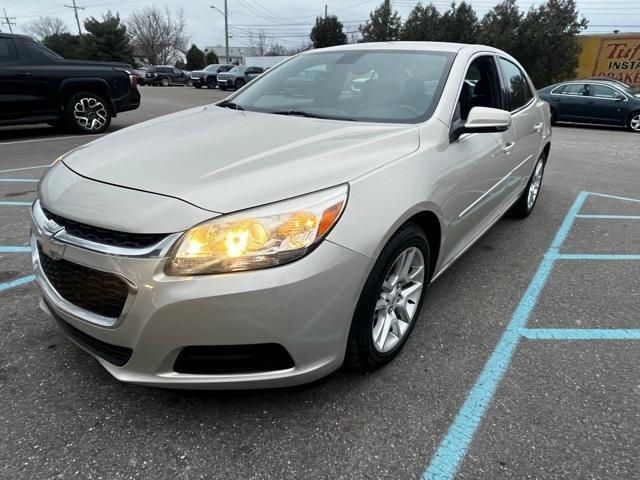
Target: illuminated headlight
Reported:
[(261, 237)]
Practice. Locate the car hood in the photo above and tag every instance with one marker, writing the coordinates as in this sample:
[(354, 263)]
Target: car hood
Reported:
[(225, 160)]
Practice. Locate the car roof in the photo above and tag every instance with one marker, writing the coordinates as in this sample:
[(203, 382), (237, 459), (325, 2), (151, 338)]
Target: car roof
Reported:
[(15, 35), (424, 46)]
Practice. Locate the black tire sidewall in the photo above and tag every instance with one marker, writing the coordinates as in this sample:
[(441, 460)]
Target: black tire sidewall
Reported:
[(71, 121), (361, 352), (239, 84)]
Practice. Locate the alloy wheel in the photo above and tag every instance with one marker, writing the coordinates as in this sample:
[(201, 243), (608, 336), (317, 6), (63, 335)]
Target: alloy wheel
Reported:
[(635, 122), (536, 181), (90, 113), (399, 298)]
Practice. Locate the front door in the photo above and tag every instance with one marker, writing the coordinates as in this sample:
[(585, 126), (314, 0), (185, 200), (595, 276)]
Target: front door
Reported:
[(605, 105)]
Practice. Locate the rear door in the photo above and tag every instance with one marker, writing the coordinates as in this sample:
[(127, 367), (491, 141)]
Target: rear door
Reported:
[(527, 122), (573, 102)]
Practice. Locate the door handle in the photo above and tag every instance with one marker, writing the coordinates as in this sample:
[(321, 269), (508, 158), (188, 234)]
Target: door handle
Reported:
[(538, 127), (23, 74), (508, 147)]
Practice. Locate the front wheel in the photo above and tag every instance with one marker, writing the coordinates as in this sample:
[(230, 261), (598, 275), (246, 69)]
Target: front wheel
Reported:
[(634, 122), (390, 301), (527, 201), (165, 82), (88, 113), (211, 83), (239, 83)]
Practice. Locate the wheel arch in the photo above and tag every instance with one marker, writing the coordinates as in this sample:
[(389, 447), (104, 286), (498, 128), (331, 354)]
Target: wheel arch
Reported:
[(97, 86), (429, 223)]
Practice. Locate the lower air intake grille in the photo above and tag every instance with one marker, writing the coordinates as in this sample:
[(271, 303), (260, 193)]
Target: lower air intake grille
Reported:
[(230, 359)]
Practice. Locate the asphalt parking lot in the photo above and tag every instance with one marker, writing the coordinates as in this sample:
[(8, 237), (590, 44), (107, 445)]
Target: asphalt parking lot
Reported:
[(524, 363)]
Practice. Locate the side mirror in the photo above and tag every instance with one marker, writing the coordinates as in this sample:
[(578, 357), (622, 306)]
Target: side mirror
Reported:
[(619, 97), (482, 120)]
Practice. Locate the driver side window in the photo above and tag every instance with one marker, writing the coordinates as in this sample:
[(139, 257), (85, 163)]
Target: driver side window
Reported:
[(480, 88)]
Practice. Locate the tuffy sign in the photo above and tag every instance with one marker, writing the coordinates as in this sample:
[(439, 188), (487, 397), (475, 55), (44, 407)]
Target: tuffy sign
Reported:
[(613, 56)]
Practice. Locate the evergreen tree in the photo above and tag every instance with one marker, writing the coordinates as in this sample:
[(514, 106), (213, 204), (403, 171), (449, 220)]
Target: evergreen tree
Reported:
[(500, 27), (384, 24), (107, 39), (210, 58), (66, 45), (195, 58), (423, 24), (459, 24), (327, 32)]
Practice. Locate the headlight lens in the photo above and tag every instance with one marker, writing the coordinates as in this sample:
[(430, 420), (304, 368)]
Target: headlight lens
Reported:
[(262, 237)]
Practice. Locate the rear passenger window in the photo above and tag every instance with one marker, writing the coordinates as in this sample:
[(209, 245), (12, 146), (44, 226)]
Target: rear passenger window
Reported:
[(517, 87), (575, 89), (8, 51)]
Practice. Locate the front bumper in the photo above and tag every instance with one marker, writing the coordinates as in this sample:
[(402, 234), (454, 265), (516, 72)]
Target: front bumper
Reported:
[(198, 81), (306, 307)]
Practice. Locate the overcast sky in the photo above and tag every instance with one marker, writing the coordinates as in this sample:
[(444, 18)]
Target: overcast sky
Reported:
[(288, 22)]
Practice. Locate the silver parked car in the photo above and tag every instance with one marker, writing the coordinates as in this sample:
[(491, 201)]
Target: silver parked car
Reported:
[(308, 239)]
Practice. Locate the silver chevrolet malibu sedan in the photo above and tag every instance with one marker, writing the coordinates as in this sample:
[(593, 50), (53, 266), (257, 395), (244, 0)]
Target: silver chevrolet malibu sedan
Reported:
[(293, 227)]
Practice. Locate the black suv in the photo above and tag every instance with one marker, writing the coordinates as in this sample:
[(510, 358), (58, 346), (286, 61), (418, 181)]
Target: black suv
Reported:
[(39, 86), (166, 76)]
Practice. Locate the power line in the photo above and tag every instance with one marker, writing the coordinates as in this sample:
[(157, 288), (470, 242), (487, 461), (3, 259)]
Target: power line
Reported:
[(7, 20), (75, 11)]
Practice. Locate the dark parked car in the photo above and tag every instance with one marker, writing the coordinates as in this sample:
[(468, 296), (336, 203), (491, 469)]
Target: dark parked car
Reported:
[(209, 76), (237, 77), (39, 86), (593, 101), (166, 76)]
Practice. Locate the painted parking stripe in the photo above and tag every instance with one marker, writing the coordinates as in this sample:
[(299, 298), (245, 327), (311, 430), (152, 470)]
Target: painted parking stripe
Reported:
[(614, 197), (610, 217), (15, 204), (581, 333), (25, 168), (14, 249), (446, 460), (19, 180), (49, 139), (594, 256), (16, 283)]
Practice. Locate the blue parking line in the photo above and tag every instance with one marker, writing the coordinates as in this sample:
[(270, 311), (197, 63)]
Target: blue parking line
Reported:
[(16, 283), (610, 217), (19, 180), (451, 451), (594, 256), (581, 333), (15, 204), (614, 197), (14, 249)]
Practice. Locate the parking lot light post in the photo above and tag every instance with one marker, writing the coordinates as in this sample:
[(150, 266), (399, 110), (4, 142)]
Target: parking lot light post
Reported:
[(226, 27)]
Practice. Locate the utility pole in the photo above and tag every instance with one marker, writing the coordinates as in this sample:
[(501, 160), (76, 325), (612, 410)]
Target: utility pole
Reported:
[(226, 27), (8, 19), (325, 10), (75, 11)]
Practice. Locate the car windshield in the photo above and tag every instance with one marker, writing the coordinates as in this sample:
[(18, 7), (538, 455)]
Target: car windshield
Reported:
[(237, 70), (211, 67), (376, 86)]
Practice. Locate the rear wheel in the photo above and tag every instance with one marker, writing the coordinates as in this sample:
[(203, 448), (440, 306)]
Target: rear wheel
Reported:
[(634, 122), (222, 88), (211, 83), (390, 301), (88, 113), (239, 83), (165, 82), (527, 201)]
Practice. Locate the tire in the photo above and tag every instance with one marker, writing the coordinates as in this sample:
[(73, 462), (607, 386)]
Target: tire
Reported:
[(634, 122), (525, 205), (88, 112), (373, 317), (188, 83), (211, 83), (165, 82), (239, 84)]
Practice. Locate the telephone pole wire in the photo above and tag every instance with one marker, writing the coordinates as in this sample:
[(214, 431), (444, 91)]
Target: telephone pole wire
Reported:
[(8, 19), (226, 28), (75, 11)]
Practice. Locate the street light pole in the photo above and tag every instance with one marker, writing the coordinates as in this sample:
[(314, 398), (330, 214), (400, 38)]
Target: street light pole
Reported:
[(226, 27)]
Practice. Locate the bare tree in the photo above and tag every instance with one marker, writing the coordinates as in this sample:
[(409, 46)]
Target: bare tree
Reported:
[(158, 36), (43, 27)]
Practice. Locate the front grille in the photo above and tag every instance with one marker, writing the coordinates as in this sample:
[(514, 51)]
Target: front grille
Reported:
[(102, 235), (230, 359), (98, 292), (114, 354)]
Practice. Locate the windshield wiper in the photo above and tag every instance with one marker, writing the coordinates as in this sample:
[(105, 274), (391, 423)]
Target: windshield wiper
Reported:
[(229, 104), (301, 113)]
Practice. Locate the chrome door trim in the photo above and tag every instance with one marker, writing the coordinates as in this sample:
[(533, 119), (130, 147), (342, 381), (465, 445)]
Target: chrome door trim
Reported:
[(494, 187)]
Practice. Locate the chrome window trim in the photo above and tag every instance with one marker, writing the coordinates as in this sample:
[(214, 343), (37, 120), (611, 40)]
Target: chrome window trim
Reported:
[(532, 90), (158, 250)]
